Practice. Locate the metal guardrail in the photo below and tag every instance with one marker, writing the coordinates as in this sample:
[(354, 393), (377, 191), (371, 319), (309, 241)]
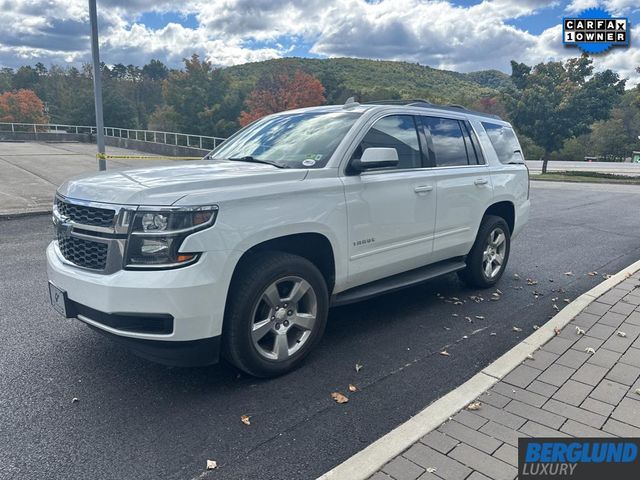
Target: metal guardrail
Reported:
[(151, 136)]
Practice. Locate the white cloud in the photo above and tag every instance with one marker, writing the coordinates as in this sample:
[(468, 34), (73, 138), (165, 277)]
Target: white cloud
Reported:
[(436, 33)]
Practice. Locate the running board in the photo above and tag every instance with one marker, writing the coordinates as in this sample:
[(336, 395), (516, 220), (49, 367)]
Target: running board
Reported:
[(397, 282)]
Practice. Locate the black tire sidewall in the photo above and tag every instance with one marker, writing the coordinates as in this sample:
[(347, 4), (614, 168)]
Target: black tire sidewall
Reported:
[(255, 276), (474, 274)]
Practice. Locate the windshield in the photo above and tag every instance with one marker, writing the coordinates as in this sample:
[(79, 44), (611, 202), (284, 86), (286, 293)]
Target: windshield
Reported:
[(294, 140)]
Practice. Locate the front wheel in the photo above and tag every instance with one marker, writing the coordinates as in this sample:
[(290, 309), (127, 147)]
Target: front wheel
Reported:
[(489, 255), (276, 314)]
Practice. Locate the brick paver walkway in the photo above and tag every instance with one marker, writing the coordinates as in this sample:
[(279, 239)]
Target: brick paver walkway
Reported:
[(584, 382)]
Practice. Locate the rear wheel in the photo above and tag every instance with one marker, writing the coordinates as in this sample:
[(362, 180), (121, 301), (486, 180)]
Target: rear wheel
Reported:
[(276, 314), (489, 255)]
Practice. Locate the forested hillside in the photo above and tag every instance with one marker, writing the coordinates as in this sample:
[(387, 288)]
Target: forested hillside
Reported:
[(560, 110)]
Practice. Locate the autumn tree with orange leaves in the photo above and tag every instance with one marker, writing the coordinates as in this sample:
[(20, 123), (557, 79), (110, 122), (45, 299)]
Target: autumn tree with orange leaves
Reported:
[(22, 106), (278, 92)]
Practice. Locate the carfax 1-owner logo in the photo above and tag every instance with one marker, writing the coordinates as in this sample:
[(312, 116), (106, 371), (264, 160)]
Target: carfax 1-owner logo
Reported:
[(595, 31), (578, 458)]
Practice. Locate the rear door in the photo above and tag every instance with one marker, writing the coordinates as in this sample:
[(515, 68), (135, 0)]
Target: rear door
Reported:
[(391, 211), (463, 184)]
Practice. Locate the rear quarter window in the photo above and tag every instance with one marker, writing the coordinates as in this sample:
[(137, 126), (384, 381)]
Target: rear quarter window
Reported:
[(504, 142)]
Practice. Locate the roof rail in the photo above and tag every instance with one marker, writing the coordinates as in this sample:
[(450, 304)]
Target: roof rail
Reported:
[(414, 101), (427, 104)]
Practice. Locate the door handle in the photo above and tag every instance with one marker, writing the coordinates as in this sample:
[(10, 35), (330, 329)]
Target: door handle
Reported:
[(481, 181), (423, 188)]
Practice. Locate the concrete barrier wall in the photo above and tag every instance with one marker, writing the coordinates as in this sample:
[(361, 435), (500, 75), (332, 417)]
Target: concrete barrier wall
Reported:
[(44, 137), (149, 147)]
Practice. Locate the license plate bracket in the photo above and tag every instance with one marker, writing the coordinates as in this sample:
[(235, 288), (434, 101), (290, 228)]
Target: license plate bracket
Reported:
[(60, 301)]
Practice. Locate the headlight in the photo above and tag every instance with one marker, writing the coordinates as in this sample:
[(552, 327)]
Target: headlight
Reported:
[(155, 235)]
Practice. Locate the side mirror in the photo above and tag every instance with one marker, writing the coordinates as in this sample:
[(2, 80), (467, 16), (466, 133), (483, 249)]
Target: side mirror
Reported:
[(376, 157)]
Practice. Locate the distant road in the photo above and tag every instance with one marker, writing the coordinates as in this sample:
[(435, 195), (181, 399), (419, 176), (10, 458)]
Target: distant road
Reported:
[(535, 166)]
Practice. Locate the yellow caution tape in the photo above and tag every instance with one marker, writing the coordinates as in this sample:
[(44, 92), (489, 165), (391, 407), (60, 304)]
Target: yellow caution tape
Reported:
[(103, 156)]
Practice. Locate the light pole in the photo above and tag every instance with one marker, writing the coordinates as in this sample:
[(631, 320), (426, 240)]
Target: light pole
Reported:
[(97, 82)]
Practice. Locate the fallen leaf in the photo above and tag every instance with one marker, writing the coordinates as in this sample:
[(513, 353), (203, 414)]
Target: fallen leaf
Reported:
[(352, 388), (555, 307), (517, 329), (74, 400), (556, 330), (474, 406), (621, 334), (212, 464), (339, 398), (444, 353), (245, 419), (358, 367), (579, 331), (468, 319), (589, 350), (568, 274), (432, 470), (567, 300)]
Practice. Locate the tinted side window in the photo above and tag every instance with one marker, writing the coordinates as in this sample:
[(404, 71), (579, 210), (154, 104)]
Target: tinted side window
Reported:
[(448, 141), (504, 142), (396, 131)]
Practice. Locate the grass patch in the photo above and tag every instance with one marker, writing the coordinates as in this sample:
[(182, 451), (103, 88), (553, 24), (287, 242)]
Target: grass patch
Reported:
[(587, 177)]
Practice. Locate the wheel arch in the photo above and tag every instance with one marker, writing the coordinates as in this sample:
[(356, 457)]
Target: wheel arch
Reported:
[(504, 209), (313, 246)]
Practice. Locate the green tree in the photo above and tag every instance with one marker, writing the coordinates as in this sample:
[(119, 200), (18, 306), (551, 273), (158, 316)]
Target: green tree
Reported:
[(155, 70), (553, 102), (202, 99)]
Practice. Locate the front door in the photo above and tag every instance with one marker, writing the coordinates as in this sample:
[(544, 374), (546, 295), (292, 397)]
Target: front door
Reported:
[(391, 211)]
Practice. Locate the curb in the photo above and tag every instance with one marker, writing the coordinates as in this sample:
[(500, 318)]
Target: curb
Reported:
[(26, 213), (368, 461)]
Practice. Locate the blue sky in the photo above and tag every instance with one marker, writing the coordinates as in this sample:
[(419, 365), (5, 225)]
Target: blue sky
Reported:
[(461, 35)]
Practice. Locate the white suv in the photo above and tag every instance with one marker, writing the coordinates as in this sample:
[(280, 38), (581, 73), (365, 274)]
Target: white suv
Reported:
[(244, 252)]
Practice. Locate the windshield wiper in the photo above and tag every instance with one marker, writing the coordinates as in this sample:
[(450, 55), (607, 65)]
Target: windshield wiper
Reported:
[(249, 158)]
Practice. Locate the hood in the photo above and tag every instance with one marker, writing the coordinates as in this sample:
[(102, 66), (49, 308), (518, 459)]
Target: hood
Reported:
[(166, 184)]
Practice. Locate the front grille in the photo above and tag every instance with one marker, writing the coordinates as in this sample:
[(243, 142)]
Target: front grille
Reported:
[(84, 253), (99, 217)]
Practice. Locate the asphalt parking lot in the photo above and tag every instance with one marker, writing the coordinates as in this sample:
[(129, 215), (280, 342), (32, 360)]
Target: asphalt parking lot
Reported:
[(135, 419)]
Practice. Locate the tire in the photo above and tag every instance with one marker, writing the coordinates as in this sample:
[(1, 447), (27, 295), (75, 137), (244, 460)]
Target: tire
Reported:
[(262, 336), (477, 274)]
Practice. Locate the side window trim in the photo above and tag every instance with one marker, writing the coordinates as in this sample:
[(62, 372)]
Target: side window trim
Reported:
[(467, 143), (480, 160), (430, 153)]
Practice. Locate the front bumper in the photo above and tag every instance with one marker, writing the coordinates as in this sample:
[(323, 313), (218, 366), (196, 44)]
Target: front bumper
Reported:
[(193, 297)]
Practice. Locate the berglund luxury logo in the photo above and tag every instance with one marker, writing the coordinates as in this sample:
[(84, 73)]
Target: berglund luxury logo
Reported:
[(595, 31), (578, 458)]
